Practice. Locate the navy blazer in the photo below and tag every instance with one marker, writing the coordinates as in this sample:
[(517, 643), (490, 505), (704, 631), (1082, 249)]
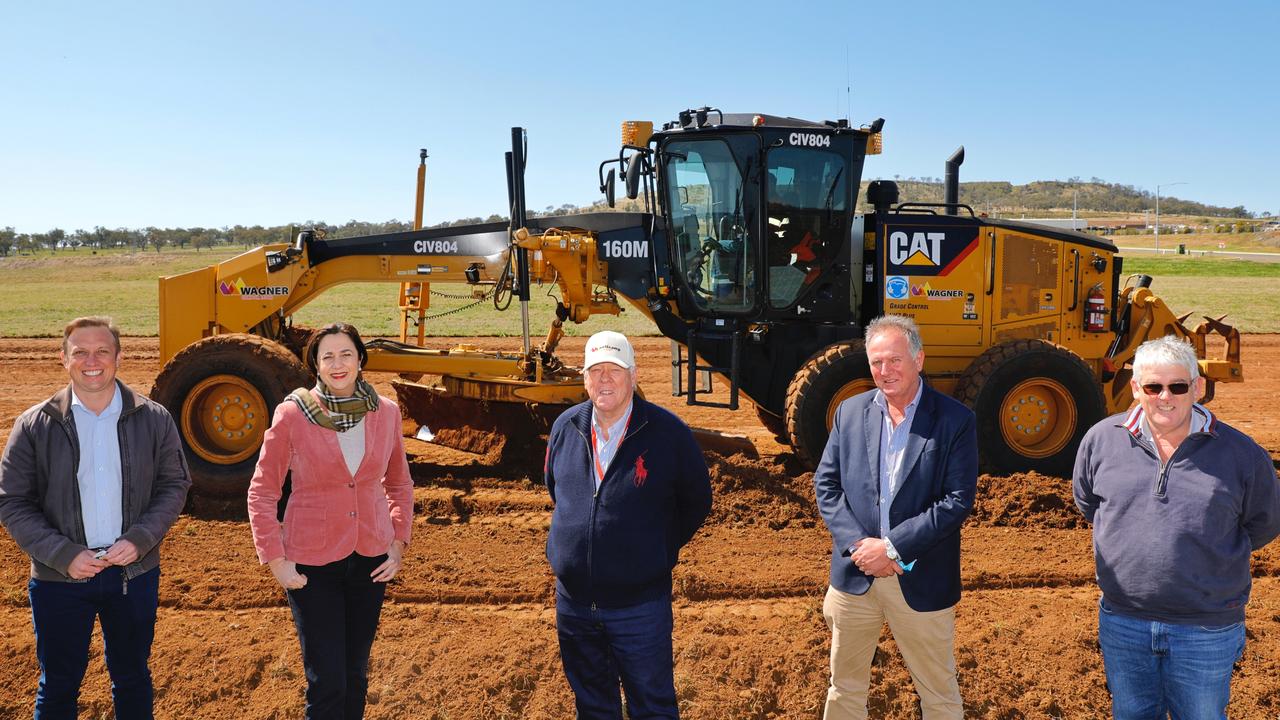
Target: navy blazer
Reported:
[(940, 478)]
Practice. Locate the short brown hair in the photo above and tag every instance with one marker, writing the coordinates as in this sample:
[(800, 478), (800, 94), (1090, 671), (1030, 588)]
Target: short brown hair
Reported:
[(312, 348), (91, 321)]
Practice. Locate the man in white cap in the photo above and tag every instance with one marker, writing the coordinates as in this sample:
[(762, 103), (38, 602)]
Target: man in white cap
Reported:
[(630, 488)]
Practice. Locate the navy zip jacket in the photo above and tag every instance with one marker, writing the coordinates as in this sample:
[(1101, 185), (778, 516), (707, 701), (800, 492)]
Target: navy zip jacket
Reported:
[(616, 547)]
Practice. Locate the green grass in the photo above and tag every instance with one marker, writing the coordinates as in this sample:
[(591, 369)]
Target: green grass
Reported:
[(38, 295), (1236, 297), (1181, 266)]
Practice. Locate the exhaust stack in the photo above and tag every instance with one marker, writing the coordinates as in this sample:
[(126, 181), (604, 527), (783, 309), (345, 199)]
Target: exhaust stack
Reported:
[(951, 180)]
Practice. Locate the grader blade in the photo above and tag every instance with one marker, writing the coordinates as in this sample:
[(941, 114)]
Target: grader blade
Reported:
[(490, 418), (498, 430)]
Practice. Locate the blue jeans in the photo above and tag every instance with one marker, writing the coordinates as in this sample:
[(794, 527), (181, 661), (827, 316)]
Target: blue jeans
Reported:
[(602, 647), (1156, 669), (336, 614), (63, 614)]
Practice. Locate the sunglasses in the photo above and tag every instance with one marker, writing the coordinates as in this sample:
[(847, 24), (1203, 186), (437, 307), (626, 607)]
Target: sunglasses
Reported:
[(1175, 388)]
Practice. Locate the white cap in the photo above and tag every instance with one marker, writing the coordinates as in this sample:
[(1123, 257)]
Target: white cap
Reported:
[(611, 347)]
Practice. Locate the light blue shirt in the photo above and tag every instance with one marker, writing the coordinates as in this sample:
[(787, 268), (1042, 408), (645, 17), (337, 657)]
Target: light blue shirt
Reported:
[(606, 449), (98, 473), (893, 446)]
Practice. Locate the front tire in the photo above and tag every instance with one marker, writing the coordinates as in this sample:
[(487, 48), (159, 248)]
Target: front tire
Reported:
[(1034, 401), (222, 392), (835, 374)]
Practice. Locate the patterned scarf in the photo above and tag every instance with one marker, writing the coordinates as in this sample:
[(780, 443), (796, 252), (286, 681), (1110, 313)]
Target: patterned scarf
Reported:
[(336, 413)]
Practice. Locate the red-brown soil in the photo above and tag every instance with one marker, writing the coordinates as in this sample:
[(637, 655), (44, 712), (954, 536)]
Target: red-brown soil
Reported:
[(469, 629)]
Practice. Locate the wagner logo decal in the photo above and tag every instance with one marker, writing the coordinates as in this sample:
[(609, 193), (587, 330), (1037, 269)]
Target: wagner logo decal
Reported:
[(252, 292), (927, 292), (896, 288), (927, 251)]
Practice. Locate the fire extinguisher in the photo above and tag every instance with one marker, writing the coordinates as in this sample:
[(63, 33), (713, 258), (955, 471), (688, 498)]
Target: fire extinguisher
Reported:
[(1095, 310)]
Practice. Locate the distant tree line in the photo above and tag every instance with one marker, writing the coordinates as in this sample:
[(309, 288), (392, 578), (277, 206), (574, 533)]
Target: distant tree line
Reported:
[(1094, 195)]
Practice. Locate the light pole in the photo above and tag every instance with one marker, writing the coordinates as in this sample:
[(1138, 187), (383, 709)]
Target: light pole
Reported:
[(1158, 211)]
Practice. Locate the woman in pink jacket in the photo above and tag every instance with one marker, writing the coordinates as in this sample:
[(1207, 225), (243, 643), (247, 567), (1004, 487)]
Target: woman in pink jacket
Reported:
[(348, 519)]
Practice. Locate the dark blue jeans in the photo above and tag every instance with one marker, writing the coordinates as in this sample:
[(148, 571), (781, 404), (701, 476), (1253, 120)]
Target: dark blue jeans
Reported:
[(602, 647), (336, 615), (1156, 669), (63, 614)]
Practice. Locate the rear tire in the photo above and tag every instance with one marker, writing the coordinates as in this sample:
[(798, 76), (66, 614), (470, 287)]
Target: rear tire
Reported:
[(222, 392), (835, 374), (1034, 401)]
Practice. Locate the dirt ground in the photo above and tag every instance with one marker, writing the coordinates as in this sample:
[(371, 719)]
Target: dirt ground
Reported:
[(468, 631)]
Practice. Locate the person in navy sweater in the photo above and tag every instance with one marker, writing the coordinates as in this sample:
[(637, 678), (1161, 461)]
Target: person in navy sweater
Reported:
[(630, 488), (1179, 500)]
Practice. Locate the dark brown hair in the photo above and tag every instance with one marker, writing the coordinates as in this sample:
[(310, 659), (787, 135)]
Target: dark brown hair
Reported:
[(91, 321), (312, 349)]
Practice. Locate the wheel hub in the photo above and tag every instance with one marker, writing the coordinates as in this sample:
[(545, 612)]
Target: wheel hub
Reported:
[(224, 418), (1038, 417)]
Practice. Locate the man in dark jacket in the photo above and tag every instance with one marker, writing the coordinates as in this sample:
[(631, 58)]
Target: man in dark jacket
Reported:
[(630, 488), (90, 482), (1178, 500), (896, 481)]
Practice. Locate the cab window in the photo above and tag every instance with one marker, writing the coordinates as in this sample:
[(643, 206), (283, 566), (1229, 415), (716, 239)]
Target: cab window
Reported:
[(808, 196), (713, 245)]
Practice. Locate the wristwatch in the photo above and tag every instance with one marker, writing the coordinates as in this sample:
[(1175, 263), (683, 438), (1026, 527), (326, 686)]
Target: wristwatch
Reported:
[(891, 551)]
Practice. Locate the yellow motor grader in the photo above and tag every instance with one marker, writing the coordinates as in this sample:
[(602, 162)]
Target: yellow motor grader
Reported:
[(748, 254)]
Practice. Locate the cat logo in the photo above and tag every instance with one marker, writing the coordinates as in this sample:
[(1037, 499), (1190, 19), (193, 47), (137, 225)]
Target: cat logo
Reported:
[(918, 248), (923, 251)]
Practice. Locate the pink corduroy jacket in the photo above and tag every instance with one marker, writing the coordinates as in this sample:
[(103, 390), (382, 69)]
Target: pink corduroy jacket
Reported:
[(330, 513)]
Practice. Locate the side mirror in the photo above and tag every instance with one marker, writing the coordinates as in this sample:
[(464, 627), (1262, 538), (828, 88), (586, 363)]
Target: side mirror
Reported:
[(607, 187), (634, 168)]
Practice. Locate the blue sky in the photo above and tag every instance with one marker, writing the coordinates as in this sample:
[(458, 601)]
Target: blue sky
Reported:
[(185, 114)]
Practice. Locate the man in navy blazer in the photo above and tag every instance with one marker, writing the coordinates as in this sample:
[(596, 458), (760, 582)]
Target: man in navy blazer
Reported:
[(896, 481)]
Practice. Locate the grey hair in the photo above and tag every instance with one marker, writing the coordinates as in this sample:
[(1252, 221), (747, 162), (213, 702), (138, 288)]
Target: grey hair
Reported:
[(902, 324), (1167, 350)]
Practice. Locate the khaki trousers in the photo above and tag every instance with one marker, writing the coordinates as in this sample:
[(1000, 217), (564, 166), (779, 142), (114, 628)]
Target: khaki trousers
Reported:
[(926, 639)]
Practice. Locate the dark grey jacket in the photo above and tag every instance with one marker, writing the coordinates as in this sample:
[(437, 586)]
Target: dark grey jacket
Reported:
[(40, 497), (1172, 543)]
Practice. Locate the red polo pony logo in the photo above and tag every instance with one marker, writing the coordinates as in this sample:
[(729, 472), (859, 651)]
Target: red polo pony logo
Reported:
[(642, 473)]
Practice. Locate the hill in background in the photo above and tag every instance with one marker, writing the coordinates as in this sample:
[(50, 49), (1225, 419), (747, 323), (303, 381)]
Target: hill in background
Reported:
[(1096, 195)]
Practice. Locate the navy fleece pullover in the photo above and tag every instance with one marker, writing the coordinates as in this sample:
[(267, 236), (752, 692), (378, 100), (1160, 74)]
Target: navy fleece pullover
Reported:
[(616, 547), (1172, 543)]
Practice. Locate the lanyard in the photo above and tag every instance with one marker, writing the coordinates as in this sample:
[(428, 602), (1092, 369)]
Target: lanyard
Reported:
[(595, 446)]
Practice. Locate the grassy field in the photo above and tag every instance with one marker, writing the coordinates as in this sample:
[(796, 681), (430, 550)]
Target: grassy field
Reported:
[(38, 294)]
